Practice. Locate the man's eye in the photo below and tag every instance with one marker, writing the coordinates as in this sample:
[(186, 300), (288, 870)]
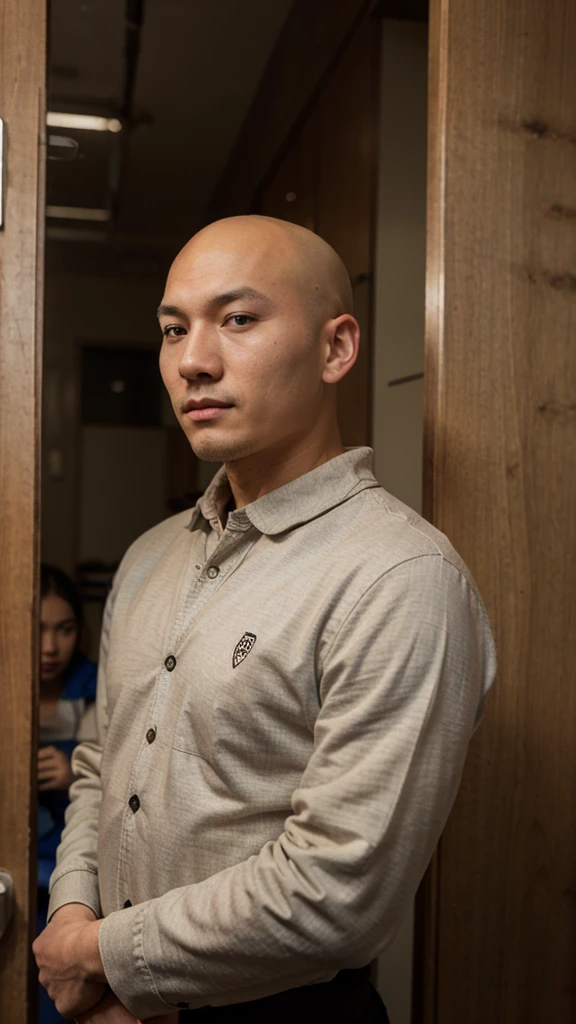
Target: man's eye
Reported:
[(173, 331), (240, 319)]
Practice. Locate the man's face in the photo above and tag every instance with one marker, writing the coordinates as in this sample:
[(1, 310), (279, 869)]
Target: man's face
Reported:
[(241, 358)]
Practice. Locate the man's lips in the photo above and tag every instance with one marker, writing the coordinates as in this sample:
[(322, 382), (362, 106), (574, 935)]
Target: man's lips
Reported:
[(205, 408), (209, 412)]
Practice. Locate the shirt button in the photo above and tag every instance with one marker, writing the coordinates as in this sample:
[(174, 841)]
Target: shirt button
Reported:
[(170, 663), (213, 572), (134, 803), (151, 735), (127, 903)]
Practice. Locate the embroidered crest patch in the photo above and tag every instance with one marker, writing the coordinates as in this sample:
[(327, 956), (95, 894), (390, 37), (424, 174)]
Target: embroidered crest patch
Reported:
[(243, 648)]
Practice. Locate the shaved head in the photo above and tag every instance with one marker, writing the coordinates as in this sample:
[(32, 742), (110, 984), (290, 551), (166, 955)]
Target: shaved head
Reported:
[(316, 269), (256, 319)]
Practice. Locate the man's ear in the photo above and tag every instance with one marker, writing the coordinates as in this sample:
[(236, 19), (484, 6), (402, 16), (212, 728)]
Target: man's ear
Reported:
[(342, 343)]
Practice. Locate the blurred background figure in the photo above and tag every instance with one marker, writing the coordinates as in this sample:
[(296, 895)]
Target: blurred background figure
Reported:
[(67, 715)]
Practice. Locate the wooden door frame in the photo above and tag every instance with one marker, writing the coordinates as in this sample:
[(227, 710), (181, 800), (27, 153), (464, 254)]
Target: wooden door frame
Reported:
[(23, 108), (426, 916), (496, 910)]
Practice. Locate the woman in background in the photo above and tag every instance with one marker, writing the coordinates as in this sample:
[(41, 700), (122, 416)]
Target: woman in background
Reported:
[(67, 694)]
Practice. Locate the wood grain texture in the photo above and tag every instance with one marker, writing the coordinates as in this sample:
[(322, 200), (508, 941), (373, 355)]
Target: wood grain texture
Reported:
[(500, 480), (22, 105)]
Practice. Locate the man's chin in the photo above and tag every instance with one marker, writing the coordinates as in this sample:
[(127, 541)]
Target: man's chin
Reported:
[(209, 448)]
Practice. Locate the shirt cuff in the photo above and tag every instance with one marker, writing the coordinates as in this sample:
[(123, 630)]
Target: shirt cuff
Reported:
[(75, 885), (121, 944)]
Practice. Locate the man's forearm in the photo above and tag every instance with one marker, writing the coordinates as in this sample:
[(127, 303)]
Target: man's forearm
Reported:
[(75, 878)]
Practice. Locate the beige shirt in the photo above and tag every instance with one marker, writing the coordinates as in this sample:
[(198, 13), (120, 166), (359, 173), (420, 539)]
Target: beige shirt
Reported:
[(284, 708)]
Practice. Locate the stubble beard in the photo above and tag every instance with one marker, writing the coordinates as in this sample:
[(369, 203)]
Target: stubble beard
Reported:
[(213, 449)]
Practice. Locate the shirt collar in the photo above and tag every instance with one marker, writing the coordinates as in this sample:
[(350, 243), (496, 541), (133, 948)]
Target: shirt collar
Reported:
[(297, 502)]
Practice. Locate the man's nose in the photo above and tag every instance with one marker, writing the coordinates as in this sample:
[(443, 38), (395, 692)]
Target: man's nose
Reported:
[(201, 356)]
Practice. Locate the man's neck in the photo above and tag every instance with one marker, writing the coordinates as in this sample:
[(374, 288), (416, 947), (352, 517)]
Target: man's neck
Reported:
[(257, 475)]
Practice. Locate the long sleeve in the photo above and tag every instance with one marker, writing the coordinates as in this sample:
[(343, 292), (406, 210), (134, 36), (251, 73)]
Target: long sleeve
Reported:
[(402, 686), (75, 878)]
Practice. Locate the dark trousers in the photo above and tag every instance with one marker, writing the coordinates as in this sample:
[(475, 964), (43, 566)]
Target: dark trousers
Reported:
[(348, 999)]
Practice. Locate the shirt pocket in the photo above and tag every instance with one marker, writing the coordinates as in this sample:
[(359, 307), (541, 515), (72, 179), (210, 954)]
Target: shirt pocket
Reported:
[(207, 675), (192, 731)]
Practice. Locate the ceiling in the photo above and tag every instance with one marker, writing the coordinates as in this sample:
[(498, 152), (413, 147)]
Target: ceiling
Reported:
[(199, 66)]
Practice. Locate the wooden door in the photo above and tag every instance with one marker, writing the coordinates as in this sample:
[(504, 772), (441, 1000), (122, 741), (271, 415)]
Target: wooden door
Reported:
[(500, 480), (22, 107)]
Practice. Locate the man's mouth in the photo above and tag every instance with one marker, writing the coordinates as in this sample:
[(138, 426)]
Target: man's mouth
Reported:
[(205, 408)]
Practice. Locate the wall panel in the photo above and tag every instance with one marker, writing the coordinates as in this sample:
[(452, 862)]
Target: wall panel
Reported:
[(500, 480)]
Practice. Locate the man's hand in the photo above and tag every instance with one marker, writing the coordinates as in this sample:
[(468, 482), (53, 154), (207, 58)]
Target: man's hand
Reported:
[(54, 771), (111, 1011), (69, 960)]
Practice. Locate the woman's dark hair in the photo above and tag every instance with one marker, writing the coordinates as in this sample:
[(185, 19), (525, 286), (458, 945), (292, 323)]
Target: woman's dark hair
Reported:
[(54, 581)]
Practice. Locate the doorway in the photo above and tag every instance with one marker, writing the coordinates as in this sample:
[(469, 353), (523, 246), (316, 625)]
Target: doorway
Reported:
[(138, 160)]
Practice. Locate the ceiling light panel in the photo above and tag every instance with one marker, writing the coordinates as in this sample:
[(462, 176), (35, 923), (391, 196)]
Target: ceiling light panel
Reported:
[(84, 122)]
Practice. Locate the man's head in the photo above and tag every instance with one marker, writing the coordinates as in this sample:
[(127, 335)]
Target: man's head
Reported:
[(257, 331)]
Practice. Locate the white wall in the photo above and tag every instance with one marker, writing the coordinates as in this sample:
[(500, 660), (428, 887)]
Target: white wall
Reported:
[(399, 336)]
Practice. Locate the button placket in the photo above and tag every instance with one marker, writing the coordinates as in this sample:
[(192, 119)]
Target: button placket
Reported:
[(190, 597), (199, 594), (232, 549), (138, 774)]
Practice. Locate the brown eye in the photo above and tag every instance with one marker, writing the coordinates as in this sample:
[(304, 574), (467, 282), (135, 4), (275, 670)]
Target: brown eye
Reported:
[(240, 319)]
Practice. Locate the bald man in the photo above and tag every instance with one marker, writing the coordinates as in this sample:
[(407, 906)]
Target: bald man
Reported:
[(289, 678)]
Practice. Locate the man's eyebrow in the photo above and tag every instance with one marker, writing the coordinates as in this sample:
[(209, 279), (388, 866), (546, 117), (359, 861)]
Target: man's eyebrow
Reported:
[(236, 295), (169, 311), (217, 301)]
